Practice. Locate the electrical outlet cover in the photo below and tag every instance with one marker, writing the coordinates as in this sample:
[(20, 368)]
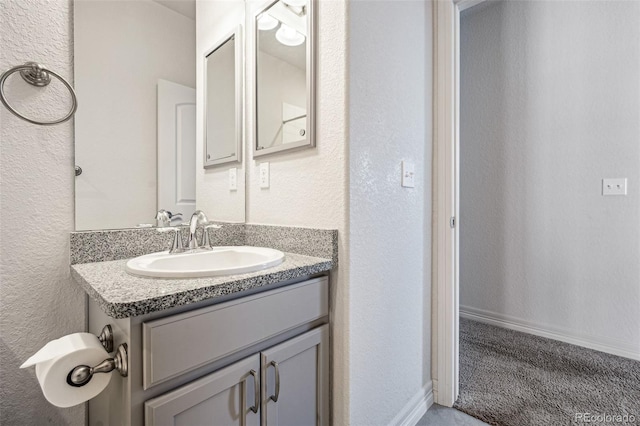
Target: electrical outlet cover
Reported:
[(233, 179), (616, 186), (264, 175)]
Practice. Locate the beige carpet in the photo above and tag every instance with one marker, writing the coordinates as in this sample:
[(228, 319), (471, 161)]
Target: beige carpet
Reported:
[(517, 379)]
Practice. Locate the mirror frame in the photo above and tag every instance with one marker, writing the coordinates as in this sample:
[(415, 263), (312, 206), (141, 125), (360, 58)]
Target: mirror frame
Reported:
[(236, 35), (311, 52)]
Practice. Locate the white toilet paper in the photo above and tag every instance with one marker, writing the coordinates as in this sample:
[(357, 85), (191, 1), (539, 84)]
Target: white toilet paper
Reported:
[(57, 358)]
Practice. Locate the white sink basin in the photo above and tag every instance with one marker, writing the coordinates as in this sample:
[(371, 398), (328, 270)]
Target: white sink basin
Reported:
[(205, 263)]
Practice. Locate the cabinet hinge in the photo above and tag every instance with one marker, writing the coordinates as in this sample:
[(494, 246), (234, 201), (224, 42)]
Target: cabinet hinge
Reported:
[(452, 222)]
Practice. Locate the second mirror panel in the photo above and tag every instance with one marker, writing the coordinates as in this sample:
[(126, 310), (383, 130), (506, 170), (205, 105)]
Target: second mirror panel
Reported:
[(283, 73), (223, 102)]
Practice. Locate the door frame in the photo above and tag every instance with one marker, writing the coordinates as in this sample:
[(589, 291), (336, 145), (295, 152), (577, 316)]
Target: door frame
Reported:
[(446, 205)]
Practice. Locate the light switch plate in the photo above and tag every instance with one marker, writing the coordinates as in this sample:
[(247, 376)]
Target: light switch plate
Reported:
[(408, 174), (233, 179), (264, 175), (616, 186)]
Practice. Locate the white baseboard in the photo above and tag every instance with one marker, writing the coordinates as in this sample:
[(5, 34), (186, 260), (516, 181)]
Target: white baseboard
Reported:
[(415, 408), (434, 386), (505, 321)]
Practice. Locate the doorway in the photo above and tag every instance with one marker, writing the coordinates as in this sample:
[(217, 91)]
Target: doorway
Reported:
[(577, 241)]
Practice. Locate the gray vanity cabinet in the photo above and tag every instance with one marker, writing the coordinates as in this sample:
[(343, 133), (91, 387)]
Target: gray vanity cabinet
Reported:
[(200, 364), (227, 397), (292, 389), (294, 385)]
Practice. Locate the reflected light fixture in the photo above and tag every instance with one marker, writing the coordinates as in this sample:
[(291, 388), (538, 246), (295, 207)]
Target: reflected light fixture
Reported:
[(267, 22), (288, 36)]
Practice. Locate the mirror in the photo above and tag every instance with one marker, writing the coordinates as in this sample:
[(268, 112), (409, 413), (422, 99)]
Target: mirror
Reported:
[(223, 102), (137, 67), (284, 97)]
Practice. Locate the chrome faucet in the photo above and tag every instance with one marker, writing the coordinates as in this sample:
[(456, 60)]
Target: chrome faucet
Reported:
[(197, 218)]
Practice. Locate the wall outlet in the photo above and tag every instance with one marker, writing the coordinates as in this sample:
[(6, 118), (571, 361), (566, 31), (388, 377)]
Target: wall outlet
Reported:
[(233, 179), (408, 174), (264, 175), (614, 186)]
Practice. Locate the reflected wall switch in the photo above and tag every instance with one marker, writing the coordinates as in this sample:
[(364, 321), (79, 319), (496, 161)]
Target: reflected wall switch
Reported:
[(233, 179), (614, 186), (408, 174), (264, 175)]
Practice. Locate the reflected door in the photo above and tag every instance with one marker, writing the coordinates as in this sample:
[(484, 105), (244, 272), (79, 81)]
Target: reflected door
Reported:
[(176, 148)]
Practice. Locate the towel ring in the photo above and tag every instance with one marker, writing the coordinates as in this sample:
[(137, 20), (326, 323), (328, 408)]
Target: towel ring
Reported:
[(36, 75)]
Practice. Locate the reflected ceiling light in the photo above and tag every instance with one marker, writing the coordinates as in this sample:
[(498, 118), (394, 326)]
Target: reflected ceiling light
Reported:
[(267, 22), (288, 36), (296, 3)]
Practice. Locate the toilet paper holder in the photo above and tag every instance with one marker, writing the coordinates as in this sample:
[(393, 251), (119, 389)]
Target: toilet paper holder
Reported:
[(82, 374), (106, 338)]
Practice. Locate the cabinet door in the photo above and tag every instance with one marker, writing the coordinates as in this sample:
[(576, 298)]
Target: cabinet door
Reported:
[(225, 398), (295, 381)]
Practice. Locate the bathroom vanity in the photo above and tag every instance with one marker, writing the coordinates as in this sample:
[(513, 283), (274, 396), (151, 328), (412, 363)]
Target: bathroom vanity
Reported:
[(248, 349)]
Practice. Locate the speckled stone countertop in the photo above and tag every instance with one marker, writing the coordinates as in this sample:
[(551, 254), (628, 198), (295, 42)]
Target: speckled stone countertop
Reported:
[(98, 260), (121, 295)]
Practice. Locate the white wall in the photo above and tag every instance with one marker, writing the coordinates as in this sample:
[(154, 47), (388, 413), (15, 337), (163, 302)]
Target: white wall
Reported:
[(38, 300), (215, 20), (550, 106), (122, 48), (389, 235)]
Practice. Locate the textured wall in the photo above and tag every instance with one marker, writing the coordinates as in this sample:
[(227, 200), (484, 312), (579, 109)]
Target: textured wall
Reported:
[(550, 106), (118, 188), (389, 236), (38, 301), (214, 21)]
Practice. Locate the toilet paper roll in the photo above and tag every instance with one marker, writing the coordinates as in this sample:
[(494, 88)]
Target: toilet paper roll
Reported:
[(55, 362)]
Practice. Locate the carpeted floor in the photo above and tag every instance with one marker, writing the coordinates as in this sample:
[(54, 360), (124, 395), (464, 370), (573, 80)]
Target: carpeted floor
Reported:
[(517, 379)]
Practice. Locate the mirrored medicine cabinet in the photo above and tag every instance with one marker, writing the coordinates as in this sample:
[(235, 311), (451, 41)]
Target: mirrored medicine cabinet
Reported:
[(223, 101), (284, 76)]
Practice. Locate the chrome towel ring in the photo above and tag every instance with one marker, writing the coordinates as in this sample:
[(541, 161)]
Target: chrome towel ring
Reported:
[(36, 75)]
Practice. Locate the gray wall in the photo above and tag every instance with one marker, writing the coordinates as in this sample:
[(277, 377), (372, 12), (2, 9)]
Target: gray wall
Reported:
[(389, 92), (38, 301), (550, 105)]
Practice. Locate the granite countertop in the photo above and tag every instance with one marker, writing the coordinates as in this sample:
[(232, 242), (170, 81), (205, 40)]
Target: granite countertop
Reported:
[(121, 295)]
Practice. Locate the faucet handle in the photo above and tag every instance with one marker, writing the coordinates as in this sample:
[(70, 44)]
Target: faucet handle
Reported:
[(206, 242), (175, 217), (176, 245)]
